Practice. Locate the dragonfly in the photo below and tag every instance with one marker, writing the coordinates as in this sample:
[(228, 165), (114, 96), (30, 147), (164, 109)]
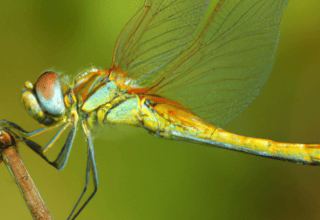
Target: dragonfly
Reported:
[(180, 71)]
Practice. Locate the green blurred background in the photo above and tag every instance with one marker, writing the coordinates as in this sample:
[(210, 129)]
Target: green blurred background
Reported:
[(143, 177)]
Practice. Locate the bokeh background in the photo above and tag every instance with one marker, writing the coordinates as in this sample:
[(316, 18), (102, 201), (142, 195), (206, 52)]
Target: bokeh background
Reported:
[(143, 177)]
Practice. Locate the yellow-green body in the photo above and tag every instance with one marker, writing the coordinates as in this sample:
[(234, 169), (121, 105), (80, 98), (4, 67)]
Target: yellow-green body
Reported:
[(168, 119)]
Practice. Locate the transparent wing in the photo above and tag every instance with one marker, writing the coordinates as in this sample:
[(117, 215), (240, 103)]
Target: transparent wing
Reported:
[(226, 69), (159, 32), (223, 70)]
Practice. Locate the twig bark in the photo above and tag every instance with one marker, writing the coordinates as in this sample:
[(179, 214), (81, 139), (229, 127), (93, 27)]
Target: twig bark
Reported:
[(10, 156)]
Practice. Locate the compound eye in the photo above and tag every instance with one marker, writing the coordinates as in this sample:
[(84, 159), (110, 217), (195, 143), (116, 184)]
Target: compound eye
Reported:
[(49, 92)]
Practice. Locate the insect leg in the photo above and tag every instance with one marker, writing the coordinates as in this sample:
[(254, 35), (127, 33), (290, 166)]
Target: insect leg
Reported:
[(8, 124), (91, 165), (21, 132), (62, 158), (42, 130), (56, 137), (24, 136)]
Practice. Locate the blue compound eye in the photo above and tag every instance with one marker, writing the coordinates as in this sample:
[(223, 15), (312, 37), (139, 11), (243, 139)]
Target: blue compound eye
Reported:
[(49, 92)]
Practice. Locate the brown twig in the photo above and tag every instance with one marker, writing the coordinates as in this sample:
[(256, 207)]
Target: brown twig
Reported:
[(10, 156)]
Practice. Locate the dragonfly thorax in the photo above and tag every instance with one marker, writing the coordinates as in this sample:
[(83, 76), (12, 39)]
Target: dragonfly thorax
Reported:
[(95, 93)]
